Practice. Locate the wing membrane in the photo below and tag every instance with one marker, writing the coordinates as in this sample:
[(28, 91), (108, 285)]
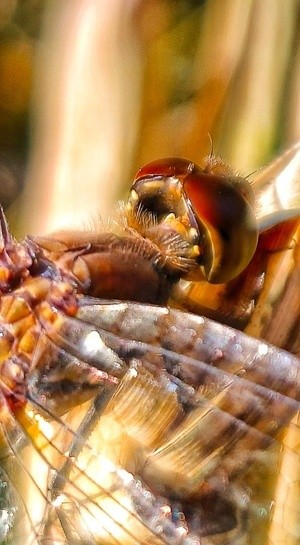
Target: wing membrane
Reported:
[(152, 426)]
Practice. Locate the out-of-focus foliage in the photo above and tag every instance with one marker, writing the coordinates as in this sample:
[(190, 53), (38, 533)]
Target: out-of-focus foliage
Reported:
[(20, 24), (118, 85), (219, 69)]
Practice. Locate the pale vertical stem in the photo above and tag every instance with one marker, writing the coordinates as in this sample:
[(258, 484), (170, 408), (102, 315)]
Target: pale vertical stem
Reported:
[(185, 128), (154, 23), (251, 121), (293, 118), (87, 109), (221, 46)]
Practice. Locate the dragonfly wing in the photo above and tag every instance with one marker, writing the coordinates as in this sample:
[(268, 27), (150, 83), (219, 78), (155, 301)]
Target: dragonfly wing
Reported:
[(153, 426)]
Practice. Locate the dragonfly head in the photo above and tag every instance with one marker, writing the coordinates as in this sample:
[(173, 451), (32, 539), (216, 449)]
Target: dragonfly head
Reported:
[(210, 208)]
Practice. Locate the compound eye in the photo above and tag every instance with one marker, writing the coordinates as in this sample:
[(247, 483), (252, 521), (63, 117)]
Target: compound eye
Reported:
[(227, 223), (168, 167)]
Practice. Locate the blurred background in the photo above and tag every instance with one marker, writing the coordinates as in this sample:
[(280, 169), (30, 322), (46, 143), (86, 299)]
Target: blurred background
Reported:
[(89, 91)]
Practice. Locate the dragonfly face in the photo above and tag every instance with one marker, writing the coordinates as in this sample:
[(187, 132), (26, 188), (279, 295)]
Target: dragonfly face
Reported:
[(126, 423), (206, 207)]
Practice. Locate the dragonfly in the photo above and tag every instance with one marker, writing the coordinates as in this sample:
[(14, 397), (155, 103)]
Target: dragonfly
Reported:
[(126, 420)]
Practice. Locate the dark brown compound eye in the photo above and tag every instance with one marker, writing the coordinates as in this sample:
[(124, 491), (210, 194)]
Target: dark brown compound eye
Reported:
[(224, 218)]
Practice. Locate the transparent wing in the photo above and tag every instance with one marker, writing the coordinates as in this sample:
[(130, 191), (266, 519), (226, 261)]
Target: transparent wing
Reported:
[(146, 425), (277, 189)]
